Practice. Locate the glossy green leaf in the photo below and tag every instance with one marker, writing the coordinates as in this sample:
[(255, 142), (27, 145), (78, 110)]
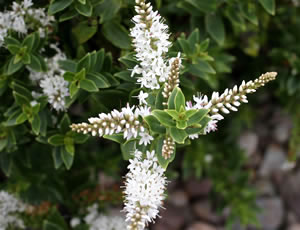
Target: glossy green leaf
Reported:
[(215, 27), (56, 140), (85, 30), (268, 5), (107, 9), (84, 9), (57, 158), (116, 34), (88, 85), (65, 123), (197, 117), (164, 118), (154, 124), (36, 125), (100, 80), (69, 145), (29, 42), (66, 157), (178, 135), (116, 138), (13, 67), (58, 5), (179, 100)]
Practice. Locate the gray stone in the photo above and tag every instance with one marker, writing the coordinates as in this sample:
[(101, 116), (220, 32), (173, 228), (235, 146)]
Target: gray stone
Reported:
[(248, 141), (265, 188), (200, 226), (178, 198), (203, 211), (271, 214), (289, 189), (196, 188), (172, 218), (273, 160), (294, 227)]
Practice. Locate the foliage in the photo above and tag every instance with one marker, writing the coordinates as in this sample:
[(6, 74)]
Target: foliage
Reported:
[(221, 42)]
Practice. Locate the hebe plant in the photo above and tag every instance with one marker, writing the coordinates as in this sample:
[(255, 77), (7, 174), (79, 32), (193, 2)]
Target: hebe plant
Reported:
[(41, 89)]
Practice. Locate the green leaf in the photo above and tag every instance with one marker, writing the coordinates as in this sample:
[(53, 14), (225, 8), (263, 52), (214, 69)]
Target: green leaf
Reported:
[(58, 5), (88, 85), (51, 226), (215, 27), (29, 42), (35, 63), (69, 145), (21, 118), (68, 65), (13, 67), (6, 163), (158, 150), (13, 49), (248, 10), (100, 80), (197, 117), (128, 148), (171, 101), (159, 99), (164, 118), (12, 119), (107, 9), (178, 135), (194, 37), (97, 67), (125, 75), (56, 140), (181, 124), (66, 157), (204, 123), (3, 143), (21, 90), (36, 125), (154, 124), (84, 9), (85, 30), (65, 123), (71, 13), (190, 112), (73, 89), (179, 100), (115, 137), (173, 113), (204, 5), (268, 5), (12, 41), (80, 75), (116, 34), (205, 66), (80, 138), (21, 99), (26, 59), (56, 155)]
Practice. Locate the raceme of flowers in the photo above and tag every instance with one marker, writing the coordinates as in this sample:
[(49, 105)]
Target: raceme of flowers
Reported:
[(150, 40), (52, 82), (10, 208), (125, 121), (145, 182), (22, 18), (144, 190), (98, 221)]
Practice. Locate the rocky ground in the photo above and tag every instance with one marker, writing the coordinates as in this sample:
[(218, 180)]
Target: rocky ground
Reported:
[(277, 183)]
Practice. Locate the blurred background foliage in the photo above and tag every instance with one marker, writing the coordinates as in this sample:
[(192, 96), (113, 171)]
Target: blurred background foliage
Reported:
[(222, 43)]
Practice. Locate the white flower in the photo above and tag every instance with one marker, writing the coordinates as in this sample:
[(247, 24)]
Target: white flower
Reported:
[(52, 82), (56, 89), (142, 97), (97, 221), (74, 222), (10, 207), (144, 191), (150, 39), (146, 138)]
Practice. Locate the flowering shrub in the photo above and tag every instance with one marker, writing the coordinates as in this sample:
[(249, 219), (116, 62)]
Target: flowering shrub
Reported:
[(68, 70)]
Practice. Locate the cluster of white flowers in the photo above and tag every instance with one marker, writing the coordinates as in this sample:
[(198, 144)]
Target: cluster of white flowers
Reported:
[(125, 121), (98, 221), (21, 18), (10, 207), (52, 82), (150, 39), (144, 190)]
